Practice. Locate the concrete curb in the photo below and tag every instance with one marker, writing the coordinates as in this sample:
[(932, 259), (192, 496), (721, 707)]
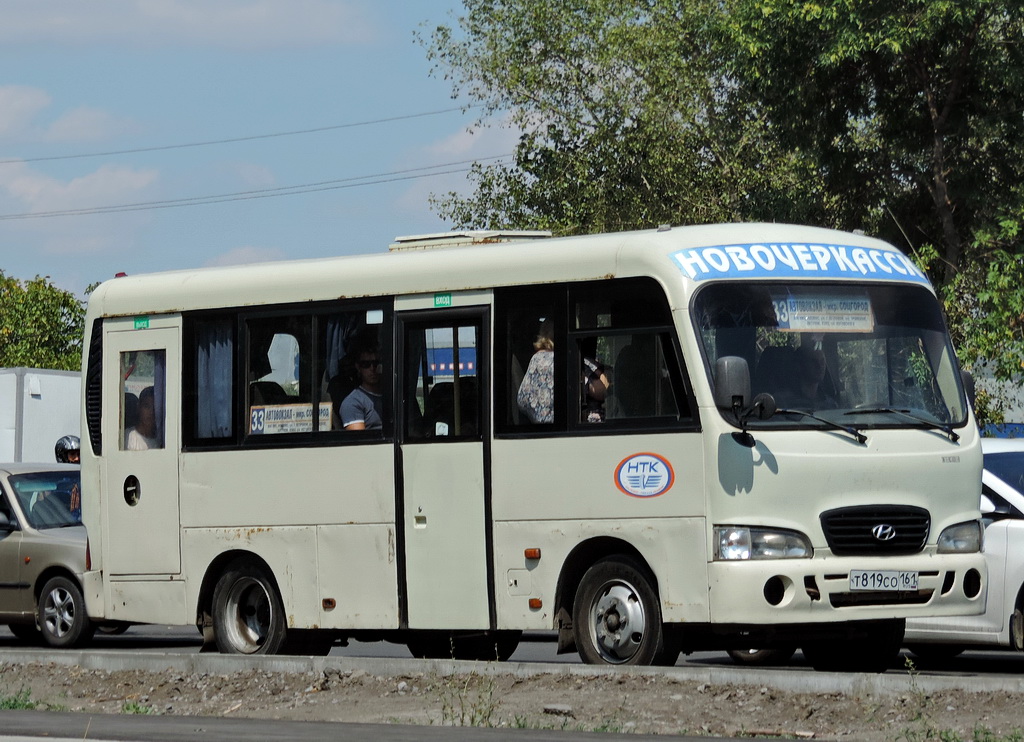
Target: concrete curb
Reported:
[(783, 679)]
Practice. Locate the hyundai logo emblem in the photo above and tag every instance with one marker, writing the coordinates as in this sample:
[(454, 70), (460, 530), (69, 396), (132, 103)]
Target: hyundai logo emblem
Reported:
[(883, 532)]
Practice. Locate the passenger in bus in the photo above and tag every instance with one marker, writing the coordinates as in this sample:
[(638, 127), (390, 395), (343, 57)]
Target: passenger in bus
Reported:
[(536, 393), (362, 409), (812, 387), (595, 389), (144, 435)]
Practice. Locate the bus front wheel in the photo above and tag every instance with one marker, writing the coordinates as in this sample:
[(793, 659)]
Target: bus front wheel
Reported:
[(248, 615), (617, 616)]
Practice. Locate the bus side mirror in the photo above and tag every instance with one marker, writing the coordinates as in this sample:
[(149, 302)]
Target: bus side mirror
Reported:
[(732, 383), (968, 381)]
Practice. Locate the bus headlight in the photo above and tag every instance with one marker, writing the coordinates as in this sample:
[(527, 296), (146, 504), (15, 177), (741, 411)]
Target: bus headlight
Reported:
[(963, 538), (743, 542)]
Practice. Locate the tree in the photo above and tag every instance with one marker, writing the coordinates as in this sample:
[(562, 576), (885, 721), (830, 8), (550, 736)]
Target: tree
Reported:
[(40, 325), (899, 117), (626, 120), (911, 107)]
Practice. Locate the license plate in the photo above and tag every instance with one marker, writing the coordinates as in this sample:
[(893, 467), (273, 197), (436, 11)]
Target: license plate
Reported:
[(884, 580)]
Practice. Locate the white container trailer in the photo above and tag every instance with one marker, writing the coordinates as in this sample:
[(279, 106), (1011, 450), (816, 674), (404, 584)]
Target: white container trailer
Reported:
[(37, 406)]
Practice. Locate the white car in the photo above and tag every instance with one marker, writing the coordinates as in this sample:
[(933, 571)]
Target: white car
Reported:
[(1002, 508)]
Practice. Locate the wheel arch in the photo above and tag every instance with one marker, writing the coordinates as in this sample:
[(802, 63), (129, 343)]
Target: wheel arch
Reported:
[(217, 567), (54, 570), (583, 556)]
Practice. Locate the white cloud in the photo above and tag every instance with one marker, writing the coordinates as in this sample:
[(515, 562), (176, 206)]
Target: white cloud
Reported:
[(236, 24), (86, 124), (23, 117), (108, 185), (19, 107), (496, 140), (248, 254), (25, 191)]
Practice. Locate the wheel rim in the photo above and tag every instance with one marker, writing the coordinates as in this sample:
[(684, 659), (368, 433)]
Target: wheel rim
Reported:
[(617, 622), (251, 613), (59, 612)]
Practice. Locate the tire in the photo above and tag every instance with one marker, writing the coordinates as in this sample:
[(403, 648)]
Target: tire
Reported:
[(762, 657), (62, 618), (933, 653), (617, 616), (875, 647), (26, 632), (248, 615)]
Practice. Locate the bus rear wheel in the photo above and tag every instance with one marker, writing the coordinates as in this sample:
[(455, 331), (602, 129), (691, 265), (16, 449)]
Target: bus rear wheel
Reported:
[(248, 615), (617, 616)]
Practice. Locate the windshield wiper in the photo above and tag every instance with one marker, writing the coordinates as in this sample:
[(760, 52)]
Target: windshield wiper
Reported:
[(933, 424), (861, 438)]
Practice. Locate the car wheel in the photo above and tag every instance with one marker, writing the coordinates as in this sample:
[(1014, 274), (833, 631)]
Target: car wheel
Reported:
[(62, 618), (617, 616), (248, 615), (773, 656)]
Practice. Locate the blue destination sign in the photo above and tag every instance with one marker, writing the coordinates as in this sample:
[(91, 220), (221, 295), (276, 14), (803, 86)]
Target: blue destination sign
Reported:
[(790, 260)]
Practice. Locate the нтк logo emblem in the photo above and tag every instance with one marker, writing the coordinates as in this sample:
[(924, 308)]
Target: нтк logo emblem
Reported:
[(644, 475)]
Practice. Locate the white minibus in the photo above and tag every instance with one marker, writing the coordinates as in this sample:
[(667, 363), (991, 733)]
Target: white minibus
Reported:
[(707, 437)]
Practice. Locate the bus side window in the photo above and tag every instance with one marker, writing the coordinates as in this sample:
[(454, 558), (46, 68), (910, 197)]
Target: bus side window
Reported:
[(529, 352), (144, 400)]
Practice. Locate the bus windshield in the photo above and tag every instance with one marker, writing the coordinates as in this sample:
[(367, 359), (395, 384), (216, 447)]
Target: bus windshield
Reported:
[(864, 356)]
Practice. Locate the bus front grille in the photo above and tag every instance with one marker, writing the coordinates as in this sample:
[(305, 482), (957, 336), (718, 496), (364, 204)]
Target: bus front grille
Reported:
[(876, 530)]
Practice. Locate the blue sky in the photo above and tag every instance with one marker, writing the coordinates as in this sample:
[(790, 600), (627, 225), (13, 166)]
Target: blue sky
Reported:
[(79, 79)]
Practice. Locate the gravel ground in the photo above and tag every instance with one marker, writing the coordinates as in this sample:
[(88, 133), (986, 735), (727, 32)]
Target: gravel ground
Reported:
[(613, 702)]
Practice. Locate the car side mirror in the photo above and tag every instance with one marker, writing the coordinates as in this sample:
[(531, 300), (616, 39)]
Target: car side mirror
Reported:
[(732, 383), (6, 525)]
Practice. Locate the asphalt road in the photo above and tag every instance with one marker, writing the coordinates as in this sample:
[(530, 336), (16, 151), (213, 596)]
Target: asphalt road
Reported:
[(536, 647)]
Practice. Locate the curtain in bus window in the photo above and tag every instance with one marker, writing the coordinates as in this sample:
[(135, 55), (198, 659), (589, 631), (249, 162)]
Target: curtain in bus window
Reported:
[(160, 394), (214, 382)]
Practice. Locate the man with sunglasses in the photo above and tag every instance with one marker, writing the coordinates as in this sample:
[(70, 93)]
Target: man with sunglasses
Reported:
[(362, 408)]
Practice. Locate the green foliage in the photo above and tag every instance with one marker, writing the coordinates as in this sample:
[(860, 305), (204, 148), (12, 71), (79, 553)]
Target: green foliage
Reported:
[(898, 117), (910, 108), (40, 325), (133, 707), (22, 700), (626, 120)]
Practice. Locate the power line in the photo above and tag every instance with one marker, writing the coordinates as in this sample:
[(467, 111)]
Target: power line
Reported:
[(236, 139), (326, 185)]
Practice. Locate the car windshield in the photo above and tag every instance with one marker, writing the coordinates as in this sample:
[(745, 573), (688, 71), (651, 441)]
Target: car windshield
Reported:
[(1008, 466), (875, 355), (49, 499)]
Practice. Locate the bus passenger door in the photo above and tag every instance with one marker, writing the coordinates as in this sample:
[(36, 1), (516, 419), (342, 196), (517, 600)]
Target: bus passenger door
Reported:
[(140, 447), (444, 481)]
